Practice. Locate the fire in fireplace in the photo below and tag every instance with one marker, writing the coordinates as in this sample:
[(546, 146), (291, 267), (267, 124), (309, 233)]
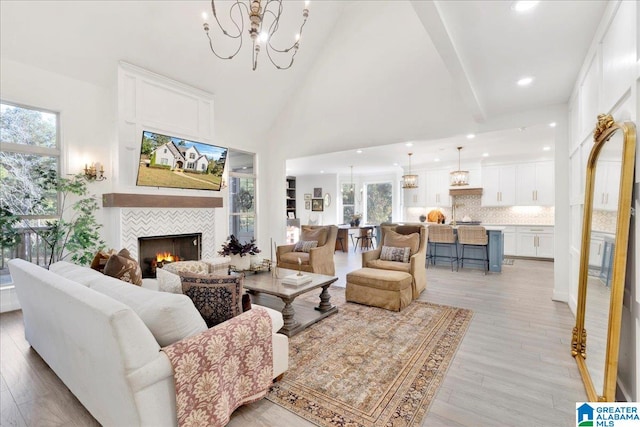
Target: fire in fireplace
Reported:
[(155, 251)]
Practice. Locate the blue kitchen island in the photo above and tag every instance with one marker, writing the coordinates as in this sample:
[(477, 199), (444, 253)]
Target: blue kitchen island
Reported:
[(495, 249)]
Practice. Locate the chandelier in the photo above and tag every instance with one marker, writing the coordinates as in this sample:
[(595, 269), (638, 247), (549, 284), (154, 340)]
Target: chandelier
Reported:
[(263, 22), (409, 180), (459, 177)]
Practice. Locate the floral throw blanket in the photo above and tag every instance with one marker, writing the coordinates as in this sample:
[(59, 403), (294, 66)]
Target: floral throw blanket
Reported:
[(222, 368)]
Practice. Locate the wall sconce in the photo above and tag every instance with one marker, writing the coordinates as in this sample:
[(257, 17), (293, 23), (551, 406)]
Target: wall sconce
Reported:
[(95, 172)]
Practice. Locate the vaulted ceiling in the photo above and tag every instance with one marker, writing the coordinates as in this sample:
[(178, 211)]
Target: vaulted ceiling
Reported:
[(368, 73)]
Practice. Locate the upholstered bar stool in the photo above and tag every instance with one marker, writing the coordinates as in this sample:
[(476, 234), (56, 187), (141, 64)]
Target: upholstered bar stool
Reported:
[(476, 237), (442, 235)]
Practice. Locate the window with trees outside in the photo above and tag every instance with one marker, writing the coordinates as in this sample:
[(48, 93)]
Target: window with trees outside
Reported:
[(348, 202), (29, 140), (379, 202), (242, 195)]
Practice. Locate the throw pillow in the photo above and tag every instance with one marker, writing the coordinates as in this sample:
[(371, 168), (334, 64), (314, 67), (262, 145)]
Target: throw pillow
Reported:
[(217, 298), (100, 260), (318, 234), (122, 266), (390, 253), (397, 240), (305, 246)]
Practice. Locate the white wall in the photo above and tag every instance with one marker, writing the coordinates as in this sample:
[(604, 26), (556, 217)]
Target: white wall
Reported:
[(608, 83), (329, 184)]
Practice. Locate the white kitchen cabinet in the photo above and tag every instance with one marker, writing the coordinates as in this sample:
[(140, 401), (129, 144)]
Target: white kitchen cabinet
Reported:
[(534, 184), (415, 197), (536, 242), (605, 192), (509, 234), (499, 185), (437, 186)]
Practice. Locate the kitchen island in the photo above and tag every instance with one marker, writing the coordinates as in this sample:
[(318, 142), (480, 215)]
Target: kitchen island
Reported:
[(495, 249)]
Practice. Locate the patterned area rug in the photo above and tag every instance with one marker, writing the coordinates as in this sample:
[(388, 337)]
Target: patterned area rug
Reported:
[(508, 261), (366, 366)]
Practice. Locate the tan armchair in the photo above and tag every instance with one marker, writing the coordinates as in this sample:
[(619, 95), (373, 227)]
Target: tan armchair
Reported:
[(317, 260), (416, 265)]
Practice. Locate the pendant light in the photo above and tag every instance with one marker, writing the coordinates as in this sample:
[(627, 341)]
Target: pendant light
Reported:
[(410, 180), (459, 177)]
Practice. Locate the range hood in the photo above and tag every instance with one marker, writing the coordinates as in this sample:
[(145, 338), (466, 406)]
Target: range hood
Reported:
[(465, 191)]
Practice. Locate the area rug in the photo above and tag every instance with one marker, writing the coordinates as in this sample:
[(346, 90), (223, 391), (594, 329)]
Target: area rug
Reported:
[(366, 366)]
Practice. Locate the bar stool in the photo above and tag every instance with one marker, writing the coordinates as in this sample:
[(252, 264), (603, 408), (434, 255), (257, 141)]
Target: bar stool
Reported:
[(442, 235), (364, 238), (474, 236)]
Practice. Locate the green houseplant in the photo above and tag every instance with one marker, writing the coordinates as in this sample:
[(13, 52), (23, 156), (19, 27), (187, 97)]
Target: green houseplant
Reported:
[(74, 231)]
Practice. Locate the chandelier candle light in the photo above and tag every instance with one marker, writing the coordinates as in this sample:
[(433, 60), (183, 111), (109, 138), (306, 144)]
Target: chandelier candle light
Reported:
[(263, 22), (459, 177), (410, 180)]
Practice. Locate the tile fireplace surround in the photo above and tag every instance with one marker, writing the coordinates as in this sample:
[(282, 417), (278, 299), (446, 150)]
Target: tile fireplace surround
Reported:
[(142, 215), (148, 222)]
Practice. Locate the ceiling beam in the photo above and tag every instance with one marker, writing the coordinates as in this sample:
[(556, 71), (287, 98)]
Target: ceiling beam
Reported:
[(427, 12)]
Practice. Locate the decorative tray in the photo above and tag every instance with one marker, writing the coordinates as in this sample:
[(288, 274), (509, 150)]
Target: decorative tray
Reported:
[(265, 265)]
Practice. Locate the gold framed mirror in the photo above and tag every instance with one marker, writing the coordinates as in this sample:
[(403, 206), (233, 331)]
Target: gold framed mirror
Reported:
[(603, 256)]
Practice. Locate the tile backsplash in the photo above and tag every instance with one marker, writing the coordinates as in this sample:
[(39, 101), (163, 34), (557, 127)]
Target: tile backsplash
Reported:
[(471, 206), (604, 221)]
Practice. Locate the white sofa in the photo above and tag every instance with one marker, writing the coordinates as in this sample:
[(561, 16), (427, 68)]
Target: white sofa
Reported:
[(102, 337)]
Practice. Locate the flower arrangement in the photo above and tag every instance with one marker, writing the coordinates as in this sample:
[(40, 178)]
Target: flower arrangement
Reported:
[(233, 246)]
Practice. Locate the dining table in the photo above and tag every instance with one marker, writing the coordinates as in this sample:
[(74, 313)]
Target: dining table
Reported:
[(344, 230)]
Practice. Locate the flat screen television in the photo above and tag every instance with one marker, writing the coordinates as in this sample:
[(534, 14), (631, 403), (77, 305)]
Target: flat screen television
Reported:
[(172, 162)]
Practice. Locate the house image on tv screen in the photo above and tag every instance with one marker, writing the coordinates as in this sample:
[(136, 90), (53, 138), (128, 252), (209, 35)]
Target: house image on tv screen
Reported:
[(180, 158), (172, 162)]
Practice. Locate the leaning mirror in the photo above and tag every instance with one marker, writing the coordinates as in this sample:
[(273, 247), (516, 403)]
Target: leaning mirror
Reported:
[(603, 256)]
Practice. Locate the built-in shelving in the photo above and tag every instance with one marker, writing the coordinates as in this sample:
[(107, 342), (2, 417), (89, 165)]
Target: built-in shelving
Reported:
[(291, 196)]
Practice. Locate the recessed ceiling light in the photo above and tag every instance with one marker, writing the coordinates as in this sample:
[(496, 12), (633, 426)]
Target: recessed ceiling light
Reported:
[(436, 159), (321, 171), (395, 164), (546, 148), (409, 144), (525, 81), (359, 151), (485, 154), (244, 167), (552, 124), (471, 136), (524, 5)]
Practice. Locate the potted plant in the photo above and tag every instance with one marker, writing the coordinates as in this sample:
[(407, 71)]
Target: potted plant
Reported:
[(74, 232), (239, 252)]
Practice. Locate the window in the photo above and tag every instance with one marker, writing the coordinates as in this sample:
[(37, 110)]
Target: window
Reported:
[(192, 155), (164, 161), (242, 195), (164, 151), (29, 147), (348, 202), (191, 165), (379, 202)]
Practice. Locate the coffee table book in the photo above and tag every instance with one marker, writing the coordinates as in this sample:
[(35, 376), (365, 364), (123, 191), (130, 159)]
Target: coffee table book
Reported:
[(295, 279)]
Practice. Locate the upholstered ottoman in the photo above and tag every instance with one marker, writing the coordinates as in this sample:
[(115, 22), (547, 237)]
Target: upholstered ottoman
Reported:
[(379, 288)]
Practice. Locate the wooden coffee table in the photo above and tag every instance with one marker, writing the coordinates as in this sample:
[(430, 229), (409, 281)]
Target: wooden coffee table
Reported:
[(271, 292)]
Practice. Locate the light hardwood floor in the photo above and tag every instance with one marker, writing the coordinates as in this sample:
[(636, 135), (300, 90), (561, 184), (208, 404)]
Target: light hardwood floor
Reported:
[(513, 368)]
